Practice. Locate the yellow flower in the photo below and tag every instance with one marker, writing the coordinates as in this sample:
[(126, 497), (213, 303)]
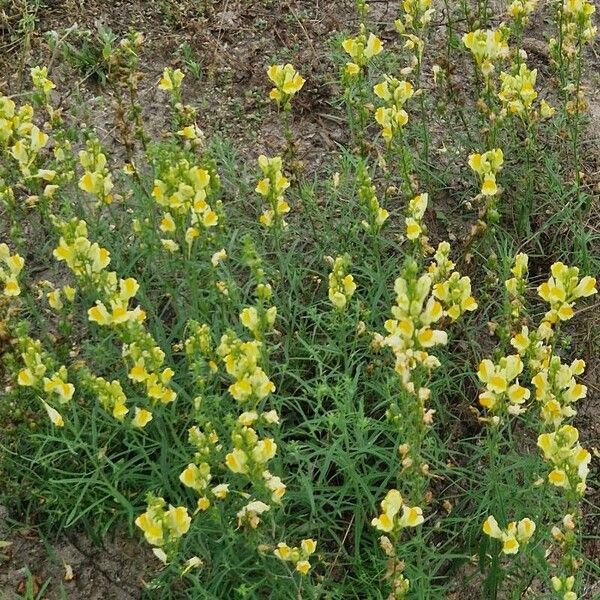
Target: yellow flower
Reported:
[(167, 224), (153, 531), (203, 503), (249, 319), (510, 545), (303, 566), (179, 520), (264, 450), (237, 461), (11, 286), (557, 477), (491, 528), (170, 245), (489, 187), (283, 551), (26, 378), (142, 418), (220, 491), (210, 218), (218, 257), (54, 416), (411, 516), (308, 546), (352, 69), (287, 80), (361, 49), (171, 79), (525, 529)]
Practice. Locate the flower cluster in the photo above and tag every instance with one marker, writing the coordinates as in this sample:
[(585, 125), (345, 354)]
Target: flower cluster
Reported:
[(514, 536), (417, 15), (96, 179), (288, 82), (392, 117), (421, 301), (298, 556), (563, 289), (41, 374), (56, 295), (488, 47), (570, 460), (375, 214), (26, 148), (517, 92), (416, 211), (11, 266), (341, 283), (576, 27), (163, 527), (88, 262), (487, 165), (503, 394), (556, 389), (520, 10), (390, 519), (272, 187), (110, 395), (556, 392), (171, 81), (361, 50), (564, 586), (183, 191), (258, 319), (516, 285), (40, 80), (241, 360)]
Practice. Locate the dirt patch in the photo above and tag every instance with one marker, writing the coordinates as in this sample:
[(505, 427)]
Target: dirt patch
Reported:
[(73, 567)]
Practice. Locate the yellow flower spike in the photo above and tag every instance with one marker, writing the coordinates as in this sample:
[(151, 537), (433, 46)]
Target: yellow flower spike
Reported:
[(341, 283)]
